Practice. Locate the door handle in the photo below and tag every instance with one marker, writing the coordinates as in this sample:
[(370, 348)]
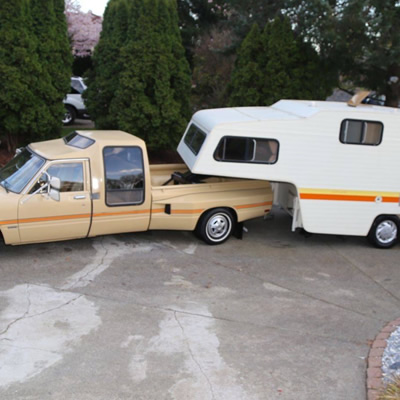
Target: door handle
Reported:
[(80, 197)]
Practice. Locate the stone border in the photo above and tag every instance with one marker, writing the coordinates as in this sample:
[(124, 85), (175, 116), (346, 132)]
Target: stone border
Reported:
[(374, 361)]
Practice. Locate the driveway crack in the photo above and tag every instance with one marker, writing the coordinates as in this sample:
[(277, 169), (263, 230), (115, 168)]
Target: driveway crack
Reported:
[(194, 358), (28, 299), (26, 315)]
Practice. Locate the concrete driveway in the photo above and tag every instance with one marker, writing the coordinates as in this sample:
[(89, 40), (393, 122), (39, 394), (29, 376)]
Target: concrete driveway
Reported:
[(160, 315)]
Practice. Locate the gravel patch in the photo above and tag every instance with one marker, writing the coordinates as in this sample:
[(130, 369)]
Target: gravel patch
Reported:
[(391, 357)]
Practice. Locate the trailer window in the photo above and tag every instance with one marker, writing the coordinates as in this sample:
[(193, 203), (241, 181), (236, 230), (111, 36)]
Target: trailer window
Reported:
[(194, 138), (250, 150), (361, 132), (124, 175)]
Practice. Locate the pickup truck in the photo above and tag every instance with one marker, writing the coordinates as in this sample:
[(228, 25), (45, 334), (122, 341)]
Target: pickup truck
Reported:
[(93, 183)]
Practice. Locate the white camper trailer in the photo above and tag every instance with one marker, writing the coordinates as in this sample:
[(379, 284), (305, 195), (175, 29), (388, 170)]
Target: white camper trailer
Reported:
[(334, 168)]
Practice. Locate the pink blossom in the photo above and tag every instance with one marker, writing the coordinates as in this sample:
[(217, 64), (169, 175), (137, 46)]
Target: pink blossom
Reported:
[(83, 28)]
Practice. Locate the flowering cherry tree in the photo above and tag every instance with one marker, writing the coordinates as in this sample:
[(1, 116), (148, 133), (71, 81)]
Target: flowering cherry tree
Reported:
[(83, 29)]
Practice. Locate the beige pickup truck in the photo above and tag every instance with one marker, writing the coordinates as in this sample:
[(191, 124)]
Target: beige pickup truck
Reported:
[(100, 182)]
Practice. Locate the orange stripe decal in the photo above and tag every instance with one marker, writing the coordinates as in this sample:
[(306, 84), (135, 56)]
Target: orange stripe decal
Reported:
[(10, 222), (187, 211), (344, 197), (337, 197), (266, 203), (111, 214)]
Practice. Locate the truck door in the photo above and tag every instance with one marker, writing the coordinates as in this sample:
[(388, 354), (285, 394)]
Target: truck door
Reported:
[(41, 218), (122, 202)]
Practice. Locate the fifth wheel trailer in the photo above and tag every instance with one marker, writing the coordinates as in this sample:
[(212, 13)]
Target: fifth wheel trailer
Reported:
[(334, 168)]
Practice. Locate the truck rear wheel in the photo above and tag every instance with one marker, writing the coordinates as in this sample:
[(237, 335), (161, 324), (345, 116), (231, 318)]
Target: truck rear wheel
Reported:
[(384, 232), (215, 226)]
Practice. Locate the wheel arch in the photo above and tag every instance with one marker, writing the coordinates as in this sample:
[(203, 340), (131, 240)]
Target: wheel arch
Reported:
[(71, 105), (380, 216)]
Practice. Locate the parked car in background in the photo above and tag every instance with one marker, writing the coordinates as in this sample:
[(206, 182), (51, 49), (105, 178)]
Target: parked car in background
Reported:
[(74, 104)]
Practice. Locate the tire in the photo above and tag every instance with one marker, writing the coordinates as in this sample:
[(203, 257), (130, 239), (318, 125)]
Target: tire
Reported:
[(384, 232), (69, 116), (215, 226)]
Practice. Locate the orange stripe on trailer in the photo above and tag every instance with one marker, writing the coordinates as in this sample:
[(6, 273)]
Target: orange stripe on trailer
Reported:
[(390, 199), (345, 197), (336, 197)]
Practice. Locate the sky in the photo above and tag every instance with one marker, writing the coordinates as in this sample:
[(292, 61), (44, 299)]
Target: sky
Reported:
[(97, 6)]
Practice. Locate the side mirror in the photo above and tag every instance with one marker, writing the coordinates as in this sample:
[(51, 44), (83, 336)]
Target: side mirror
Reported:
[(18, 151), (54, 188), (55, 183), (54, 194)]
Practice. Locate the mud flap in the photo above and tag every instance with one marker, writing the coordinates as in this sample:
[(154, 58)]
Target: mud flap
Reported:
[(238, 231)]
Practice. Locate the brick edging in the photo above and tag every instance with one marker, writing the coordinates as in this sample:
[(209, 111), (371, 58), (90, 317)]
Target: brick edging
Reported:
[(374, 361)]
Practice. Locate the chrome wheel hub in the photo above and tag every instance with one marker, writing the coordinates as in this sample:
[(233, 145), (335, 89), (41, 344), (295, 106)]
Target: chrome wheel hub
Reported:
[(386, 231), (218, 227)]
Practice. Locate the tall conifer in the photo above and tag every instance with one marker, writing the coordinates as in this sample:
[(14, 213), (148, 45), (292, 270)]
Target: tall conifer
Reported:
[(153, 97), (276, 65), (141, 78), (20, 70), (103, 79), (248, 76), (49, 28)]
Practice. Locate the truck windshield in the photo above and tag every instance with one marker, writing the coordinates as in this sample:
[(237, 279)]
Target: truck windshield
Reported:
[(15, 175)]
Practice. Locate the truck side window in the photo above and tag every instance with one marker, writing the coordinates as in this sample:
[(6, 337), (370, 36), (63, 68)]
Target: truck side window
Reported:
[(249, 150), (70, 174), (124, 175), (194, 139), (361, 132)]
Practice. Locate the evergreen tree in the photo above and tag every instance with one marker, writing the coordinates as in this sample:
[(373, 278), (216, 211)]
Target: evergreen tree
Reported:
[(356, 37), (63, 59), (276, 65), (50, 29), (149, 86), (282, 61), (248, 76), (21, 110), (103, 79)]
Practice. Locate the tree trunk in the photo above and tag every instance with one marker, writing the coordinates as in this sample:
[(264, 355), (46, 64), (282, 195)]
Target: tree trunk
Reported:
[(392, 90), (12, 142)]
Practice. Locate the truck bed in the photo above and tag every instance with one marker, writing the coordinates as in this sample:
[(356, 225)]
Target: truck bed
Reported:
[(161, 175)]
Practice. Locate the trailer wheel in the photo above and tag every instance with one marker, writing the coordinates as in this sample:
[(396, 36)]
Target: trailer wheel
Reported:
[(384, 232), (215, 226)]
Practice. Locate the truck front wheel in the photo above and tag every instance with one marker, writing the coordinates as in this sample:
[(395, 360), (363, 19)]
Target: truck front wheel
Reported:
[(215, 226), (384, 232)]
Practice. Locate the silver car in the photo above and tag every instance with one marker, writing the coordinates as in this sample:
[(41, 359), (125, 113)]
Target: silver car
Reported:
[(73, 102)]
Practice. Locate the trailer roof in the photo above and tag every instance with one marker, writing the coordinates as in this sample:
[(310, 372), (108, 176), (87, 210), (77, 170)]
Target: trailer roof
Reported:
[(282, 110)]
